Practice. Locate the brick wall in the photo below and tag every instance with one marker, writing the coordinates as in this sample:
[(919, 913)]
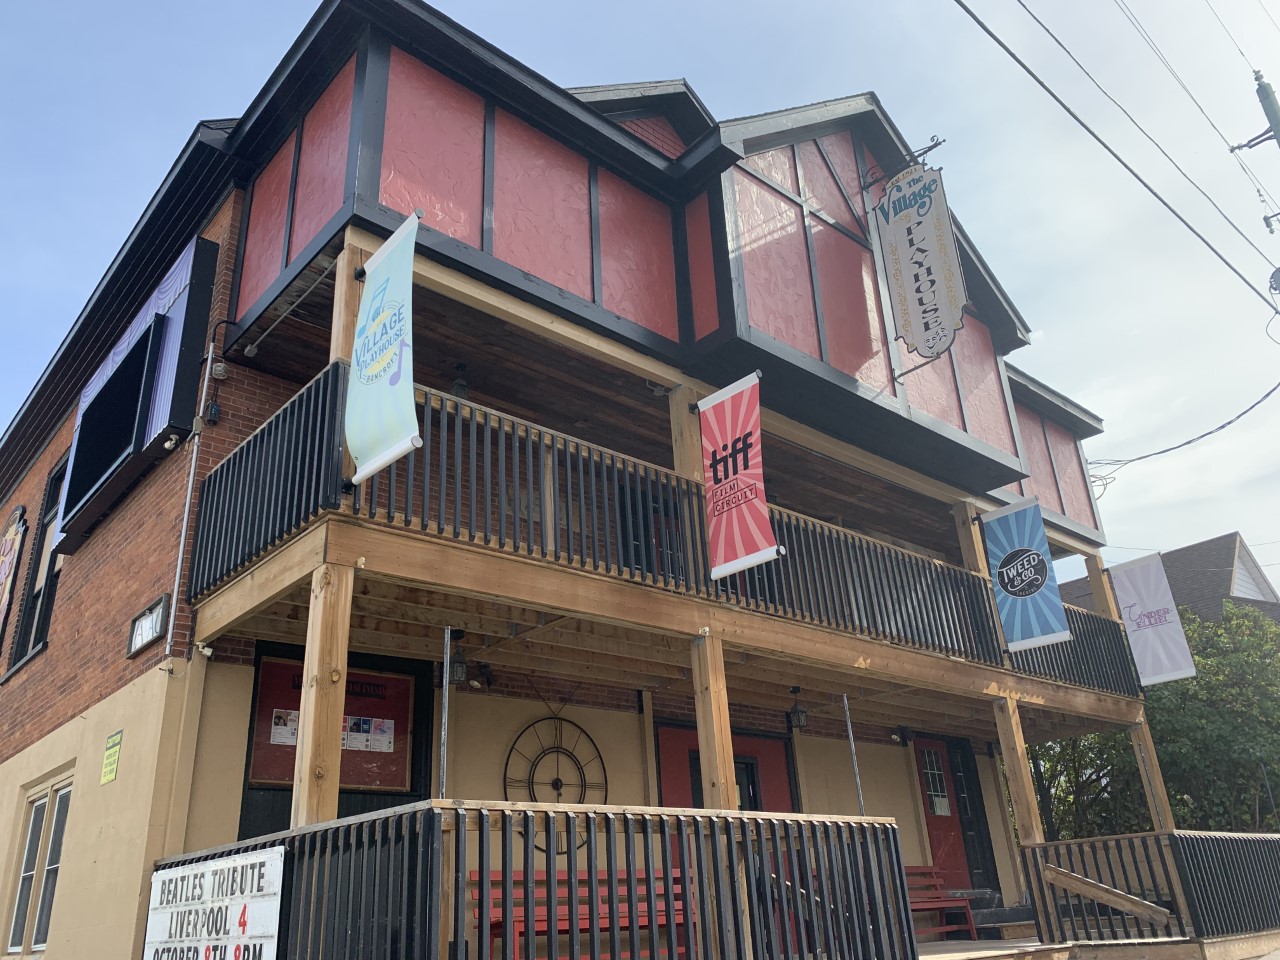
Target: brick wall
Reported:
[(128, 561)]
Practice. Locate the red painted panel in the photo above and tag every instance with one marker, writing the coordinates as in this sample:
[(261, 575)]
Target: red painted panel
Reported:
[(847, 281), (932, 388), (433, 149), (778, 165), (637, 257), (986, 413), (1072, 480), (839, 147), (541, 206), (658, 133), (820, 187), (675, 744), (264, 240), (1041, 482), (322, 161), (775, 263), (702, 277)]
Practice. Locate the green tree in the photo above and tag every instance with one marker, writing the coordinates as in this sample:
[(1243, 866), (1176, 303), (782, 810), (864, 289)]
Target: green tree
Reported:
[(1217, 735)]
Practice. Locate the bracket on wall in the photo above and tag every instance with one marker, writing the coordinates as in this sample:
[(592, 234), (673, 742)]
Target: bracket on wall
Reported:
[(906, 160)]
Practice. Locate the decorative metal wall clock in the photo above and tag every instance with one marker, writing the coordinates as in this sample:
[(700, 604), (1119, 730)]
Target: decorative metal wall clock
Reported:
[(554, 760)]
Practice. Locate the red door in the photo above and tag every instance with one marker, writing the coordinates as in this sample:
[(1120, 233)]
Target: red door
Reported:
[(941, 815), (760, 764)]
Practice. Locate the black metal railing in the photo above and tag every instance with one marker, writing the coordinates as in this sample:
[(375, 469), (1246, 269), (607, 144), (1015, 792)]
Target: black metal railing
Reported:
[(1097, 656), (1232, 881), (279, 478), (489, 478), (1138, 865), (498, 882)]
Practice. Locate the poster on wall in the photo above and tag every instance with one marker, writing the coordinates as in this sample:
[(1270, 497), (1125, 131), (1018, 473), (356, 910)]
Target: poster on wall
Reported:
[(1151, 621), (919, 250), (376, 733), (226, 908), (382, 419), (1022, 576), (739, 534)]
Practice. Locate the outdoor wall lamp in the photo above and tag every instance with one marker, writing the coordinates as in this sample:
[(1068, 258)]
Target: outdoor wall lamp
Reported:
[(458, 663), (798, 716)]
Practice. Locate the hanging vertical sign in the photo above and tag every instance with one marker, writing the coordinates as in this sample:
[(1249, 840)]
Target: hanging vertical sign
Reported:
[(1151, 621), (1027, 597), (739, 534), (10, 553), (922, 261), (382, 419)]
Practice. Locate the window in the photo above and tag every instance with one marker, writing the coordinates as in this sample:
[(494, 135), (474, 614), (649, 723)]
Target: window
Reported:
[(42, 577), (935, 781), (38, 869)]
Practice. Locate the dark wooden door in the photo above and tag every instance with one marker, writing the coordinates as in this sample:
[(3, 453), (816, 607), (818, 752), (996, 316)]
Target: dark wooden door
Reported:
[(942, 813)]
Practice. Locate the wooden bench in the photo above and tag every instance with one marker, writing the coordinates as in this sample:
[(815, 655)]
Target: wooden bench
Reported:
[(536, 921), (927, 893)]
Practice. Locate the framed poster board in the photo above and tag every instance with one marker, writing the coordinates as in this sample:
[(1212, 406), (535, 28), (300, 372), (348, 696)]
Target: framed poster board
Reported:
[(377, 734)]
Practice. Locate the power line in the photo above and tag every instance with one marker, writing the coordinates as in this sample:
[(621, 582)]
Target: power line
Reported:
[(1258, 186), (1141, 129), (1230, 36), (1114, 155), (1269, 16)]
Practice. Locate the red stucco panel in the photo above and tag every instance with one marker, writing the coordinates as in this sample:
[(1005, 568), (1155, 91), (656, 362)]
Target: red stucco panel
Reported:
[(820, 187), (778, 165), (932, 388), (1072, 479), (658, 133), (775, 265), (637, 257), (541, 206), (322, 161), (986, 413), (702, 277), (839, 148), (433, 149), (264, 241), (847, 282), (1041, 483)]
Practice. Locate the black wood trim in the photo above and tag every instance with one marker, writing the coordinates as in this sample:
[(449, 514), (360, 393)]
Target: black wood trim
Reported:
[(597, 267), (684, 280), (721, 260), (368, 118), (490, 151), (955, 373), (237, 274), (1013, 419), (812, 254), (1053, 462), (293, 189), (853, 207), (804, 204)]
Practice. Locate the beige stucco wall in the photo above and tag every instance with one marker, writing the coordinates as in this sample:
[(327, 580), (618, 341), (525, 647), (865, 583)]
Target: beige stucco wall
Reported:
[(115, 830), (889, 787), (217, 780), (482, 729), (993, 797)]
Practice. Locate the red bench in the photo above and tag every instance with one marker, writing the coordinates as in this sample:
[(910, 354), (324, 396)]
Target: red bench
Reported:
[(927, 893), (536, 920)]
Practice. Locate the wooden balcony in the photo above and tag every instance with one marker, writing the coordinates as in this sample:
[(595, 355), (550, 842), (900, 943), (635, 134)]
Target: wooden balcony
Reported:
[(504, 484)]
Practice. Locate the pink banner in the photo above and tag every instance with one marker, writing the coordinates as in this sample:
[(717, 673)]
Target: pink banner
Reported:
[(738, 531)]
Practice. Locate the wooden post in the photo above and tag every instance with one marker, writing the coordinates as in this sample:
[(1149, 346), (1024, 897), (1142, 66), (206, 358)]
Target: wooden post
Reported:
[(1018, 770), (686, 433), (346, 300), (1104, 597), (324, 687), (971, 546), (1152, 779), (711, 707), (648, 747)]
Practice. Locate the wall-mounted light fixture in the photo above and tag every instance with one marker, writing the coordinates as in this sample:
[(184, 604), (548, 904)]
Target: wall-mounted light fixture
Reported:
[(798, 717), (457, 662)]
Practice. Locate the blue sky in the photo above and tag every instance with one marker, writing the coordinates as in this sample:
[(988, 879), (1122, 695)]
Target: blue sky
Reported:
[(1131, 317)]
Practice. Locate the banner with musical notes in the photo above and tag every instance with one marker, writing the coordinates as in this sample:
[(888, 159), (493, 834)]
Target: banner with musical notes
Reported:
[(382, 420)]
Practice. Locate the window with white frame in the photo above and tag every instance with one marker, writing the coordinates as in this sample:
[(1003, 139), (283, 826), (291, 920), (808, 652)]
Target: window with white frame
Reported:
[(41, 858), (935, 781)]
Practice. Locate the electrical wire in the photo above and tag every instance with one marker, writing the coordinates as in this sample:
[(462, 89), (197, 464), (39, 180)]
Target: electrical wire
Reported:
[(1269, 16), (1230, 36), (1258, 186), (1112, 152), (1141, 129)]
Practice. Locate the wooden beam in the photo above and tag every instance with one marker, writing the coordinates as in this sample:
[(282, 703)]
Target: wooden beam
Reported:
[(265, 582), (971, 546), (318, 760), (711, 710), (528, 633), (346, 297), (474, 571), (1100, 892), (1104, 597), (649, 748), (1144, 749), (1017, 768), (686, 432)]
